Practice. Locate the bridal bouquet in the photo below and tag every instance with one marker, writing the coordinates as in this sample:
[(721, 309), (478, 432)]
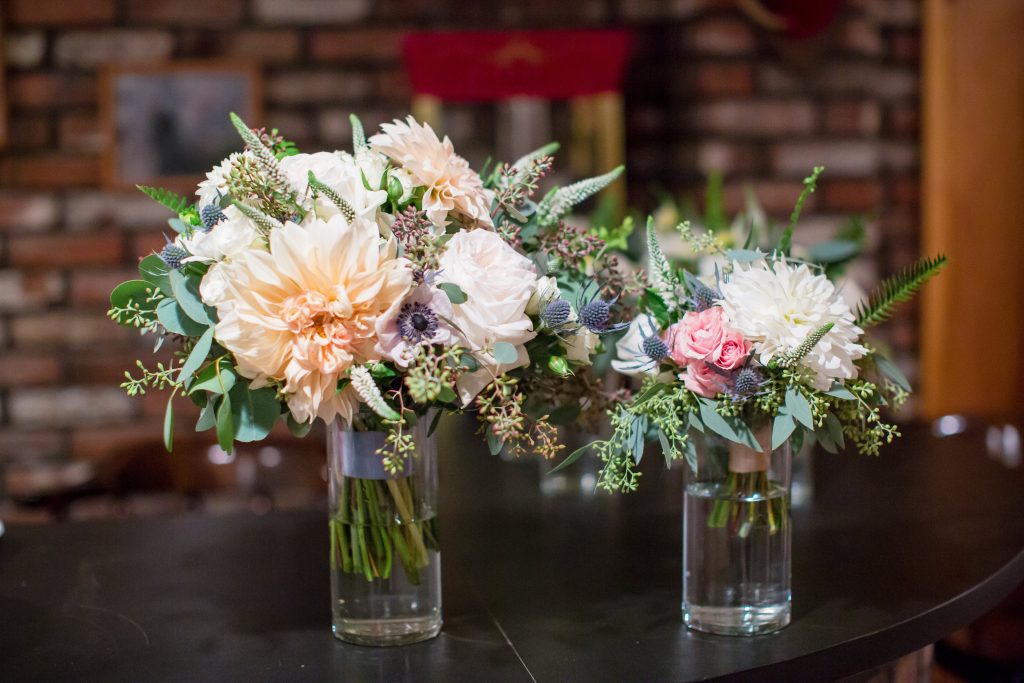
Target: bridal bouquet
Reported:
[(763, 352), (375, 288)]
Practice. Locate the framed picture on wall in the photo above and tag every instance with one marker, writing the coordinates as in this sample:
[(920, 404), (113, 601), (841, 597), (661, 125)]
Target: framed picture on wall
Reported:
[(167, 124)]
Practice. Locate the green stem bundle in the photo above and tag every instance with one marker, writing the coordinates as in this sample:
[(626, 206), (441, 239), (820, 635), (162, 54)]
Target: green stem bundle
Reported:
[(750, 500), (375, 522)]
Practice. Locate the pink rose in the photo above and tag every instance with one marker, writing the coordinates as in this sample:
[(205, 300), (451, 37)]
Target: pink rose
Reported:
[(701, 379), (698, 336), (733, 350)]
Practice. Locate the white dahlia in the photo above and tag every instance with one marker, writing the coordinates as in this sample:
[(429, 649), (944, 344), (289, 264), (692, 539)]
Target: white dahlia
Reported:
[(777, 306), (305, 312), (451, 185)]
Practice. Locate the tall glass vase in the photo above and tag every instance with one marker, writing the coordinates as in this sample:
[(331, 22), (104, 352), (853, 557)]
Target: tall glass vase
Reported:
[(385, 551), (736, 538)]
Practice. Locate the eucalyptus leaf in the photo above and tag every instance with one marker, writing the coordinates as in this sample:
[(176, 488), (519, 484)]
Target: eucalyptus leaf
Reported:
[(434, 422), (454, 292), (833, 251), (253, 412), (743, 255), (691, 454), (891, 372), (174, 319), (169, 423), (298, 429), (715, 422), (695, 421), (839, 391), (799, 408), (196, 357), (564, 415), (470, 363), (638, 433), (225, 426), (494, 442), (153, 270), (131, 292), (666, 448), (207, 417), (570, 459), (782, 429), (447, 395), (186, 291), (505, 353), (216, 383), (835, 430), (178, 225)]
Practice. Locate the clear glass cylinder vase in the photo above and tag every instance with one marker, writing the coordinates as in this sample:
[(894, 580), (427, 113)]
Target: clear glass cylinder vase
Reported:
[(385, 552), (736, 538)]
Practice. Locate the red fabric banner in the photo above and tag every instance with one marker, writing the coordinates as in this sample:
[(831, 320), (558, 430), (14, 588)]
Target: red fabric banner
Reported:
[(496, 65)]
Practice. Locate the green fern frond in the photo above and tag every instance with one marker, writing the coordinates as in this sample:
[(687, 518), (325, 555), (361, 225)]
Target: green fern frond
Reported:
[(810, 183), (896, 289), (172, 200), (659, 272), (346, 209), (358, 135), (559, 201)]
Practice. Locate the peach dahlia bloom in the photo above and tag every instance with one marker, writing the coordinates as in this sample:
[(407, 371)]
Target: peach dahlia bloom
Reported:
[(304, 313), (452, 186)]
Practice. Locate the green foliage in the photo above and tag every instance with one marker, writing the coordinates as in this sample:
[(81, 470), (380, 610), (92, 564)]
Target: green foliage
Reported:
[(265, 221), (560, 201), (714, 203), (172, 200), (358, 135), (159, 379), (897, 289), (810, 183), (659, 273)]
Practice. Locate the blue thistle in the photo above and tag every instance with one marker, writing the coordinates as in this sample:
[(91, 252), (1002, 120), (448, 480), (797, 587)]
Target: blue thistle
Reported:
[(595, 315), (173, 254), (703, 297), (747, 382), (556, 313), (211, 215), (654, 347)]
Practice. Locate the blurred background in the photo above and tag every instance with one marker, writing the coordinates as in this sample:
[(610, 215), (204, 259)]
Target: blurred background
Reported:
[(715, 106)]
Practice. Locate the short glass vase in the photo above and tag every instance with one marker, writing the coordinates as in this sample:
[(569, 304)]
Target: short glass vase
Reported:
[(385, 553), (736, 538)]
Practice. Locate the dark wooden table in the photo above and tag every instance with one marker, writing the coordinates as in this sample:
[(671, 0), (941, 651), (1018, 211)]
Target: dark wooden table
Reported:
[(892, 553)]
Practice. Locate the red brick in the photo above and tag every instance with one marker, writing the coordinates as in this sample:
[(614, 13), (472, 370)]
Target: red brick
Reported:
[(905, 189), (393, 86), (841, 158), (120, 441), (309, 87), (191, 12), (107, 368), (66, 250), (52, 89), (154, 403), (853, 118), (66, 406), (144, 244), (316, 12), (22, 290), (776, 197), (719, 155), (724, 79), (25, 50), (754, 117), (22, 212), (50, 171), (720, 36), (905, 46), (357, 45), (852, 195), (28, 369), (29, 131), (28, 445), (904, 120), (54, 12), (69, 329), (861, 37), (88, 49), (264, 46), (94, 286), (80, 132)]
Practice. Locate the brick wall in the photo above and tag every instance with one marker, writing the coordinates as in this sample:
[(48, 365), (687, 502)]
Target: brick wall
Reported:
[(706, 89)]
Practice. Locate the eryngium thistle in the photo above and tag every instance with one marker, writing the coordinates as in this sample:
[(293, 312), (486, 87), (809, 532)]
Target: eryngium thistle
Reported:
[(595, 315), (172, 254), (704, 297), (748, 381), (654, 347), (556, 313), (211, 215)]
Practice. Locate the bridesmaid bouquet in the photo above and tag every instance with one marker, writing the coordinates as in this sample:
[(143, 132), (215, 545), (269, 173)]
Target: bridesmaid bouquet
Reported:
[(375, 288), (763, 352)]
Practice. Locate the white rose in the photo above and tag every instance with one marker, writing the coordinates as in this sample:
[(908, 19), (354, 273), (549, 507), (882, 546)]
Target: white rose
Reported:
[(225, 240), (498, 282), (342, 174), (581, 346), (214, 286), (547, 291)]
